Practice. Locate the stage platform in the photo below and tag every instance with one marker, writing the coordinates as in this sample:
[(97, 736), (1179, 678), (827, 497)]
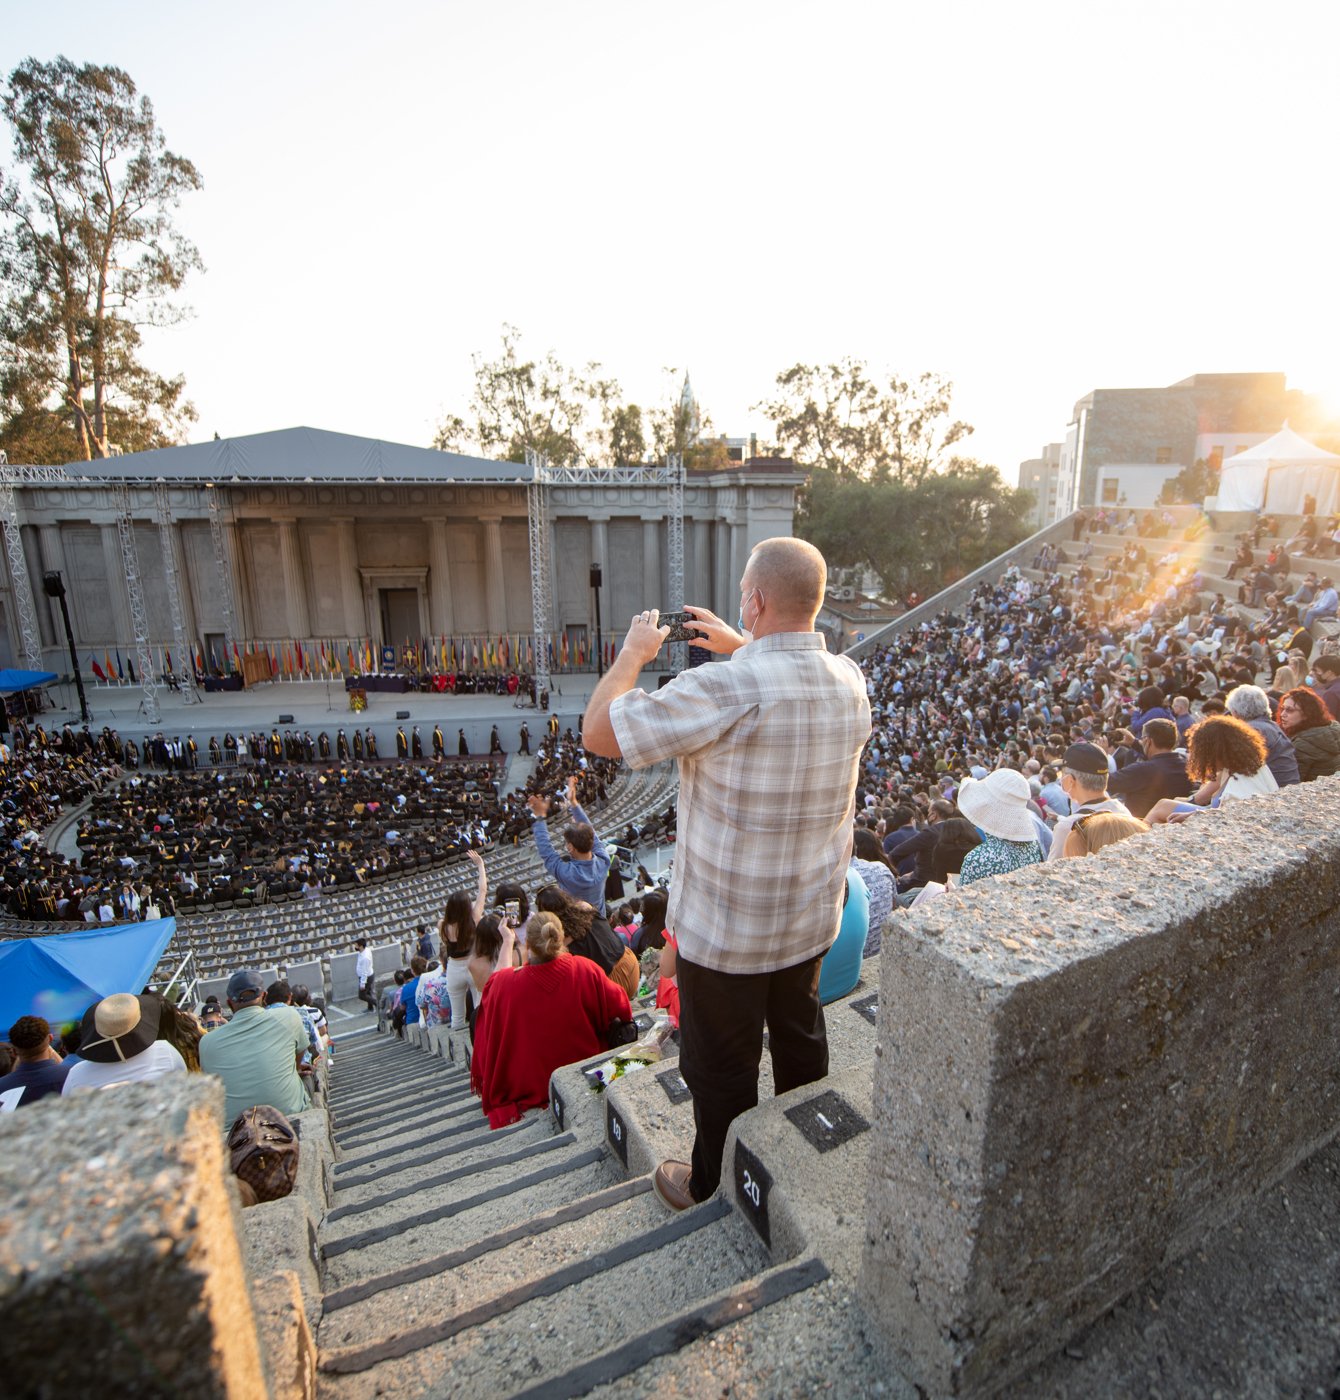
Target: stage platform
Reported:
[(316, 706)]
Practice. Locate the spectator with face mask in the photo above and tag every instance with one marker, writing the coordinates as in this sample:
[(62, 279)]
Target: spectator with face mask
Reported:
[(1249, 704)]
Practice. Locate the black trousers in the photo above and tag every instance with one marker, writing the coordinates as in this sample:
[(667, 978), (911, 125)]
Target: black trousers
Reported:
[(365, 993), (721, 1020)]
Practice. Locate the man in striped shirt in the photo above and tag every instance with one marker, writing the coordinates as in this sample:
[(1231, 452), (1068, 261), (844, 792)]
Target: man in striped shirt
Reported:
[(768, 746)]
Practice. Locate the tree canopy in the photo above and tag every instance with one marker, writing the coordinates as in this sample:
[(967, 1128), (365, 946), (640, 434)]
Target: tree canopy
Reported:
[(574, 417), (88, 256), (841, 418), (916, 536)]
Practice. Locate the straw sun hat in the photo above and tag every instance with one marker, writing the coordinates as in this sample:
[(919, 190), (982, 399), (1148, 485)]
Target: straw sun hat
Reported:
[(119, 1027), (998, 804)]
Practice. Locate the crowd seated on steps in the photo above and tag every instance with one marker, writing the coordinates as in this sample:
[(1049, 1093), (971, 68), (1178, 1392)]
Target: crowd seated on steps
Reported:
[(40, 775), (261, 834), (1065, 708)]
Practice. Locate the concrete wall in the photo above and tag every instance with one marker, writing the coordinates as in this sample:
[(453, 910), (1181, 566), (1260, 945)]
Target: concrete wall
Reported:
[(1084, 1069), (146, 1294)]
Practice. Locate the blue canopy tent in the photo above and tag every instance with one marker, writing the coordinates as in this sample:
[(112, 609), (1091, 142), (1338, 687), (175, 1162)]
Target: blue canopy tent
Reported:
[(61, 976), (12, 680)]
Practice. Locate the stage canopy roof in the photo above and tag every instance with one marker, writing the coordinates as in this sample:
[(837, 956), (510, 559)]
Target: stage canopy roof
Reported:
[(10, 681), (294, 454), (61, 976)]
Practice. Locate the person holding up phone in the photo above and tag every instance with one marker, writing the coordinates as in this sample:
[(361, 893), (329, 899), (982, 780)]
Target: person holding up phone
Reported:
[(583, 867), (769, 747)]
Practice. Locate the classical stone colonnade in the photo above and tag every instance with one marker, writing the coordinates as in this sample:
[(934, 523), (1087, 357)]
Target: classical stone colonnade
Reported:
[(329, 559)]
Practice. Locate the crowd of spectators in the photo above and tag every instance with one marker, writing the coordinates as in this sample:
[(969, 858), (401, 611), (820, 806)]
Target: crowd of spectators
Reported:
[(1048, 717), (229, 834)]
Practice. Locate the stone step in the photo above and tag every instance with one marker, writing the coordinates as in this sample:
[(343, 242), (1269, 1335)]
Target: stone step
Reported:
[(405, 1120), (416, 1170), (371, 1203), (470, 1274), (361, 1246), (428, 1086), (369, 1092), (795, 1330), (486, 1331)]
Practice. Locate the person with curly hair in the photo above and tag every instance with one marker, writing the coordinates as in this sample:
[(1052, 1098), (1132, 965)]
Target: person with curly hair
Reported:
[(1314, 734), (1227, 757)]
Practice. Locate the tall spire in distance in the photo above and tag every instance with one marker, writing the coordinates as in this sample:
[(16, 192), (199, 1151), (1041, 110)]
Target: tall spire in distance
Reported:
[(688, 408)]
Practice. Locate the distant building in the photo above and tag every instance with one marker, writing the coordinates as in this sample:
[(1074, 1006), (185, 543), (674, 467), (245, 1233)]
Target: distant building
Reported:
[(331, 541), (1042, 476), (1122, 445)]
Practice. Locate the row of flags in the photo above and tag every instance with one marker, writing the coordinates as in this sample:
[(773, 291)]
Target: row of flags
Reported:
[(296, 660)]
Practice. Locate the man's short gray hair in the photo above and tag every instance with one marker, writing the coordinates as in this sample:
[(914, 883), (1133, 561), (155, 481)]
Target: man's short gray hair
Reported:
[(1090, 782), (1247, 702)]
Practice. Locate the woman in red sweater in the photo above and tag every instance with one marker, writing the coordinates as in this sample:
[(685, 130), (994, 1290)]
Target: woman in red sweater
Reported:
[(554, 1011)]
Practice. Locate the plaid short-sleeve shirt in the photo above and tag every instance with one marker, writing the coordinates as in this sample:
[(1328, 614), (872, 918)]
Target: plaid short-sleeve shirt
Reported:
[(769, 746)]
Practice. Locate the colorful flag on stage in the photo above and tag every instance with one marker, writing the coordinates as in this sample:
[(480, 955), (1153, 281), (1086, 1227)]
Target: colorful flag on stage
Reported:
[(167, 657), (120, 670), (130, 670), (97, 670)]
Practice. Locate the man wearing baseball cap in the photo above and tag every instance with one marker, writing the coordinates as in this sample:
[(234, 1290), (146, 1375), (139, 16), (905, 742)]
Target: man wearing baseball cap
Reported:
[(1084, 781), (257, 1053)]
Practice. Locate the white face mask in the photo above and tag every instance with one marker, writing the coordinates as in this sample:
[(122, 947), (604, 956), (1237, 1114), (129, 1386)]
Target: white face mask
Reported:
[(745, 631)]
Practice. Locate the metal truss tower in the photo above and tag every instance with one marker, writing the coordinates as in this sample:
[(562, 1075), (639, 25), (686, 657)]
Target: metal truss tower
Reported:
[(18, 569), (541, 578), (184, 664), (224, 570), (139, 615), (674, 548), (543, 478)]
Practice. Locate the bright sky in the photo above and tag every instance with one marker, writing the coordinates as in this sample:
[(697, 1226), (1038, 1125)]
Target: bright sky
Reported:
[(1035, 199)]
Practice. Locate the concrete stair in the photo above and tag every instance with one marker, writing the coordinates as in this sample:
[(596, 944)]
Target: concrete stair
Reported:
[(462, 1261)]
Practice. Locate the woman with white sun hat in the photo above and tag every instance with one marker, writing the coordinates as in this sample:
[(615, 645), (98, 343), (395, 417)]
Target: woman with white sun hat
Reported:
[(998, 806)]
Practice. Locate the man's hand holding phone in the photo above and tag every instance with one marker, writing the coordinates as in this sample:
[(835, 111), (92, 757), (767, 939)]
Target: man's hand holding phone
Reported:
[(714, 635)]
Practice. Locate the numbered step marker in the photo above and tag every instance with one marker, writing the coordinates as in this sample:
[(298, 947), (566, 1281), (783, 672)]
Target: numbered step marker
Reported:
[(867, 1007), (753, 1182), (673, 1083), (616, 1131), (557, 1107), (827, 1121)]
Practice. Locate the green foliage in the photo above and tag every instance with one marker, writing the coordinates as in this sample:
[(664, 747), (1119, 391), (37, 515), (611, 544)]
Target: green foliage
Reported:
[(1192, 484), (573, 417), (88, 255), (627, 441), (519, 403), (917, 536), (839, 418)]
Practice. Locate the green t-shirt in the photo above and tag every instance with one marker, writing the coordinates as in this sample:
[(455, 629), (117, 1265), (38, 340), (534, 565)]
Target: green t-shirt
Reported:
[(255, 1055)]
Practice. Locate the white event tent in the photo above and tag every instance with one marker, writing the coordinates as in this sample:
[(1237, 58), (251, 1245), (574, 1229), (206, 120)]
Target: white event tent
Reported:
[(1277, 474)]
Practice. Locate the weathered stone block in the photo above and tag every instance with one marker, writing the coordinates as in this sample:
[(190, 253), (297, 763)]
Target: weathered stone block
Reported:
[(1083, 1069), (286, 1339), (282, 1235), (120, 1271)]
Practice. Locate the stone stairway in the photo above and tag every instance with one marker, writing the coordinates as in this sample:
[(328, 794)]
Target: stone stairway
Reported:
[(526, 1261)]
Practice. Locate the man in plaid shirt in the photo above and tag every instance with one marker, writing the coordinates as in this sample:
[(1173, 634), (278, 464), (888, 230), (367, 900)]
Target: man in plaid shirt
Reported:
[(768, 746)]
